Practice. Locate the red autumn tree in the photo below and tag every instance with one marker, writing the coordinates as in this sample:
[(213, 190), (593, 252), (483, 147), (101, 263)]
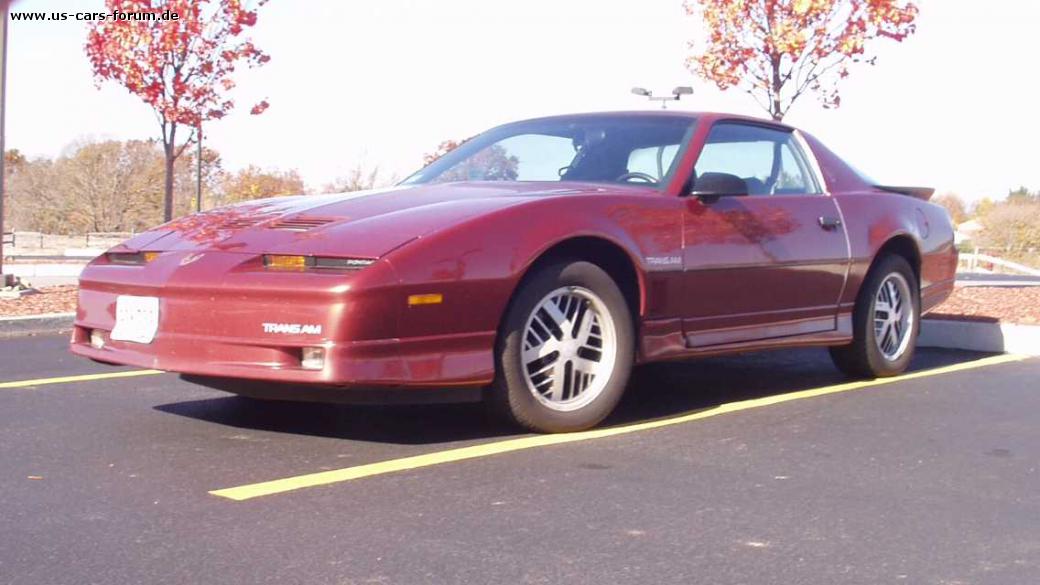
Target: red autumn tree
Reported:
[(490, 164), (180, 67), (442, 149), (777, 50)]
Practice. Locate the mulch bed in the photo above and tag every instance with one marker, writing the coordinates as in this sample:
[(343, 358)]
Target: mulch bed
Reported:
[(998, 303), (970, 303), (52, 299)]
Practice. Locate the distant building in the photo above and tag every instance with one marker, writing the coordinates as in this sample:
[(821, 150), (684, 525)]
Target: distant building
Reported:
[(966, 231)]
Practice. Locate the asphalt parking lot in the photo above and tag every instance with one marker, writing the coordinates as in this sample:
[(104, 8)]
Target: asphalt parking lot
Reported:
[(758, 469)]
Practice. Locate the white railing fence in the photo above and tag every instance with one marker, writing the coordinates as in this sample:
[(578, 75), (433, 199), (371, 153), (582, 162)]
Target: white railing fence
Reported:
[(987, 264), (36, 242)]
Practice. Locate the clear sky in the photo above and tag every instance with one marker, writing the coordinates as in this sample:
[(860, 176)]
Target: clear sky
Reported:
[(384, 81)]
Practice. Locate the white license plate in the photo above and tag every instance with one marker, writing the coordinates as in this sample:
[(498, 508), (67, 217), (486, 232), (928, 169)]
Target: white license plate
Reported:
[(137, 319)]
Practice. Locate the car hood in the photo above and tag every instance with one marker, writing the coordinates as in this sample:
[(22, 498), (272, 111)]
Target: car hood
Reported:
[(364, 224)]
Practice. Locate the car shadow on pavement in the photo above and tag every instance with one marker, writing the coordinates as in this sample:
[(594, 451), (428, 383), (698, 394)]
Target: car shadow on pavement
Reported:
[(393, 424), (672, 388), (656, 391)]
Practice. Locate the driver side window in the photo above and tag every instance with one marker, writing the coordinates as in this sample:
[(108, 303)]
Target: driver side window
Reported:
[(767, 161), (654, 161)]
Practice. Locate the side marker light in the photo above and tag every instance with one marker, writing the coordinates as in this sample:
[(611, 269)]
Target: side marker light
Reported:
[(427, 299)]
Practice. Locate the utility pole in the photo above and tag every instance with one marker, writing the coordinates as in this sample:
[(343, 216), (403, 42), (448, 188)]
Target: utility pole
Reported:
[(5, 280)]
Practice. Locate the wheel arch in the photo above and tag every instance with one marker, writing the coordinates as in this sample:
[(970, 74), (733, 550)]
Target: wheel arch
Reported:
[(901, 245), (612, 257)]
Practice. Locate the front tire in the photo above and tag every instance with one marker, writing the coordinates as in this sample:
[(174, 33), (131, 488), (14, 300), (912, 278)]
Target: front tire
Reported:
[(885, 322), (565, 350)]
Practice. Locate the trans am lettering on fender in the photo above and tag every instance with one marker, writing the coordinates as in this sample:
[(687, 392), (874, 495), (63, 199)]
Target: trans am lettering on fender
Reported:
[(535, 265)]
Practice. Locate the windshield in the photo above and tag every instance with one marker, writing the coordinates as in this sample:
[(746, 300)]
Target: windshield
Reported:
[(608, 149)]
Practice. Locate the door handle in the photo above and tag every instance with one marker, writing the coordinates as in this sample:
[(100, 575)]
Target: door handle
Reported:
[(829, 223)]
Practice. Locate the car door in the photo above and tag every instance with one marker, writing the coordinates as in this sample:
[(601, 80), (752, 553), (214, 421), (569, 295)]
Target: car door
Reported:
[(769, 258)]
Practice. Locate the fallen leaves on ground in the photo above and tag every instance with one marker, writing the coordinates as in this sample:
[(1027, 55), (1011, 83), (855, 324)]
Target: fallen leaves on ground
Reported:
[(51, 299), (1009, 304)]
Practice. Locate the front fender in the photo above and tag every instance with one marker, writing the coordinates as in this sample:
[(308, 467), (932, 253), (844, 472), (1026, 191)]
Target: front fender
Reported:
[(477, 264)]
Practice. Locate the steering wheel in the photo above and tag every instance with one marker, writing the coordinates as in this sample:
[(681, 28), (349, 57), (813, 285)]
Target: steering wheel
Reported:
[(636, 175)]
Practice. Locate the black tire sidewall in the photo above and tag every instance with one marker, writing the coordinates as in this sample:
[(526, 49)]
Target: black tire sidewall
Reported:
[(876, 362), (510, 392)]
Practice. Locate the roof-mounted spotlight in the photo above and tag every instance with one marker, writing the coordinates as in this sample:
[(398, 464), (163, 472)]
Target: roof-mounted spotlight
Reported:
[(677, 93)]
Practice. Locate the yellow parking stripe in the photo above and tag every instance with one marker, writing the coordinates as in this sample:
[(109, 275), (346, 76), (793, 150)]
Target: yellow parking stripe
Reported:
[(246, 492), (81, 378)]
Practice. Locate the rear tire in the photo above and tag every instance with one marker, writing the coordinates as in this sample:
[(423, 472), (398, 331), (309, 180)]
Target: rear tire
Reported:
[(565, 350), (885, 322)]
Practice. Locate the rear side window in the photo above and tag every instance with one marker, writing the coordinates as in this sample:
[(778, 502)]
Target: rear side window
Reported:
[(768, 161)]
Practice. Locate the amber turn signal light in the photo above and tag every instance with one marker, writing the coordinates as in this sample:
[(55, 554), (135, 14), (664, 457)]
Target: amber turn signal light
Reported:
[(279, 262), (285, 262), (132, 258), (427, 299)]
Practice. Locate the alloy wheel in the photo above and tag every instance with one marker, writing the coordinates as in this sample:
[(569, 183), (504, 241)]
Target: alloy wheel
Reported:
[(893, 316), (569, 348)]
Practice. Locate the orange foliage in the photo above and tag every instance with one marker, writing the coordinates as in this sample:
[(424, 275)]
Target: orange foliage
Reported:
[(180, 67), (776, 50), (442, 149)]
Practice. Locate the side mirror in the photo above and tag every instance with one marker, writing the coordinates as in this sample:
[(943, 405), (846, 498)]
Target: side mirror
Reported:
[(710, 186)]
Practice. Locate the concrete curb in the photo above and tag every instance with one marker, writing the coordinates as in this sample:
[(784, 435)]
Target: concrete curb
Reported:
[(36, 324), (980, 336)]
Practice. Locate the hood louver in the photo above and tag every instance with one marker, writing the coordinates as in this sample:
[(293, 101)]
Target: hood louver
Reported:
[(300, 223), (238, 223)]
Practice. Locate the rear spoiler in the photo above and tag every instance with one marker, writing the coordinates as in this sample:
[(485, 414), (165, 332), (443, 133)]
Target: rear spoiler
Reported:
[(922, 193)]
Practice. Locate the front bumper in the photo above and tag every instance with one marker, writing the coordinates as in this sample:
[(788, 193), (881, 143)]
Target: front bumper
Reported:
[(213, 308), (451, 360)]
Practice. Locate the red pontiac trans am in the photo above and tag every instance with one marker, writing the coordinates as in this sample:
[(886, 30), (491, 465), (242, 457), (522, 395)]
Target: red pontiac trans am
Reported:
[(538, 262)]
